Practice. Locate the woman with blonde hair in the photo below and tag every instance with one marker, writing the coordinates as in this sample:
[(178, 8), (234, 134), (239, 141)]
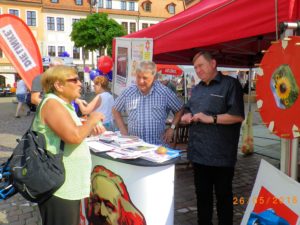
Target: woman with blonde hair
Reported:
[(57, 120), (103, 102)]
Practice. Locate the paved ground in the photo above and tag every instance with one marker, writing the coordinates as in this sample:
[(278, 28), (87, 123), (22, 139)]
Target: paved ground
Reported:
[(17, 211)]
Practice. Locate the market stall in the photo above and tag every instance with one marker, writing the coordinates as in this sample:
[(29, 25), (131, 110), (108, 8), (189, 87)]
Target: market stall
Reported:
[(134, 190), (236, 32)]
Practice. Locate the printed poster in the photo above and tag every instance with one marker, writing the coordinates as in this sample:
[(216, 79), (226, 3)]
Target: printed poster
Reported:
[(129, 53), (273, 201), (142, 50), (121, 69), (109, 202)]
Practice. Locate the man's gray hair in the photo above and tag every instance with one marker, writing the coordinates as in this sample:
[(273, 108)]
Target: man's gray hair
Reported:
[(146, 66)]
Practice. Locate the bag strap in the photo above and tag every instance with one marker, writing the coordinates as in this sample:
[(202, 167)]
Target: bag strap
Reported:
[(62, 143)]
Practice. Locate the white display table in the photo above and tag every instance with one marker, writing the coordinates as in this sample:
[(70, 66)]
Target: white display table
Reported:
[(150, 187)]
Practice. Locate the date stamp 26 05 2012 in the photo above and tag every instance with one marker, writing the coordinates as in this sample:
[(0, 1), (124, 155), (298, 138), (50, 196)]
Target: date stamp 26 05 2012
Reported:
[(265, 200)]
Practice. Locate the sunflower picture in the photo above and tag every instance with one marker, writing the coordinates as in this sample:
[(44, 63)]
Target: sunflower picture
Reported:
[(284, 87)]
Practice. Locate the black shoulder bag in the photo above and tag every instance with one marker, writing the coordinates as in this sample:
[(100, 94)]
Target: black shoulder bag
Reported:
[(36, 173)]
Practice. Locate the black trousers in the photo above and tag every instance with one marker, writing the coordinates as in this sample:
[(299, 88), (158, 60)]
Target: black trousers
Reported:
[(58, 211), (219, 179)]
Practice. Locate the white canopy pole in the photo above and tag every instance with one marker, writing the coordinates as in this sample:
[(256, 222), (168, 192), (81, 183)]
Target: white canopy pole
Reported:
[(289, 148)]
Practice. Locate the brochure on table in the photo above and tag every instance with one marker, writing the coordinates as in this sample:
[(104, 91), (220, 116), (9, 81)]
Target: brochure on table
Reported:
[(128, 147)]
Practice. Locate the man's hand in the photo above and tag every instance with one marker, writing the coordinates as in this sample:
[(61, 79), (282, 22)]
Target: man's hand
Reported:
[(203, 118), (123, 131), (168, 135), (187, 118)]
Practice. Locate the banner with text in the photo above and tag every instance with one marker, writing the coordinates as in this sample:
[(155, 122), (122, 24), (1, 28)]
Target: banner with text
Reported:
[(20, 47)]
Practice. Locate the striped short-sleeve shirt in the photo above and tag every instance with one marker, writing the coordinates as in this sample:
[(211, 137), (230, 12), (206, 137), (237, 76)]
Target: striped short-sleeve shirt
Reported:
[(147, 114)]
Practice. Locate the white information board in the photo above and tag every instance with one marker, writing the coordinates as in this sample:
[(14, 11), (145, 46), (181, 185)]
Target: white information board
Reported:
[(275, 197), (128, 53)]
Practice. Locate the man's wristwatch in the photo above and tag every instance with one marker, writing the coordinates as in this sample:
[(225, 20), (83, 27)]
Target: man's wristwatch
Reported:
[(215, 117), (173, 126)]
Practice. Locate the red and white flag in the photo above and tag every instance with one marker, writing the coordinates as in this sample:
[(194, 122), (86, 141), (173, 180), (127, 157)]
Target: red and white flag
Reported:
[(20, 47)]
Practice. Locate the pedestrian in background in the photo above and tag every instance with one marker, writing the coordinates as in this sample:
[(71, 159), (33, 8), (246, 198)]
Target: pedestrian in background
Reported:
[(215, 112), (103, 102), (169, 83), (21, 94), (36, 87)]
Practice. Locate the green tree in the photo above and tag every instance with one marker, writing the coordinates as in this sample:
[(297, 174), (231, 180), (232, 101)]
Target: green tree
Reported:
[(96, 31)]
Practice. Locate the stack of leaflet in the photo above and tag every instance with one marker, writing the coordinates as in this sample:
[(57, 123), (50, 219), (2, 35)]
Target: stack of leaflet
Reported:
[(160, 158), (128, 147), (128, 141), (97, 146)]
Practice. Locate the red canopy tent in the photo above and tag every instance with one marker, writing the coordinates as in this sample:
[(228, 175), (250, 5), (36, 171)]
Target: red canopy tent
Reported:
[(235, 31)]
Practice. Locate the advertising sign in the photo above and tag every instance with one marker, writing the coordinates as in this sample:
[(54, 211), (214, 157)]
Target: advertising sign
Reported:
[(20, 47), (273, 201), (129, 52), (68, 61)]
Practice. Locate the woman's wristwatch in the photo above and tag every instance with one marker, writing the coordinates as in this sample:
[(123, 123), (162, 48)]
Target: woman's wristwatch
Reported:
[(173, 126)]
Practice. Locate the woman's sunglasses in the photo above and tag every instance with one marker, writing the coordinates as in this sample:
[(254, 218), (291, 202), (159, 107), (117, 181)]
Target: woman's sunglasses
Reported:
[(73, 80)]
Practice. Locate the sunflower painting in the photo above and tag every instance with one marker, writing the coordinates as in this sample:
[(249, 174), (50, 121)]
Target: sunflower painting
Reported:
[(284, 87)]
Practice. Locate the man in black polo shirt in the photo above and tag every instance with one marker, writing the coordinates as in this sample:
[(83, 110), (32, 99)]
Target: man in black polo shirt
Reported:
[(215, 112)]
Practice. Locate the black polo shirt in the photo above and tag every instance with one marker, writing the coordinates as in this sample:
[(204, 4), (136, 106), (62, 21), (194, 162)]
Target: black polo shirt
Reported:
[(209, 144)]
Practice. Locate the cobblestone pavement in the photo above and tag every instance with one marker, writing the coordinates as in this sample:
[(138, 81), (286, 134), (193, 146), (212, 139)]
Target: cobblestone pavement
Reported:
[(17, 211)]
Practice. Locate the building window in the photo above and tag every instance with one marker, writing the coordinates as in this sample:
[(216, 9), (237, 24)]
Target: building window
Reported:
[(147, 6), (31, 18), (51, 50), (171, 9), (123, 5), (76, 53), (14, 12), (152, 24), (0, 11), (54, 1), (100, 3), (60, 50), (132, 28), (75, 20), (131, 6), (60, 24), (125, 25), (78, 2), (50, 23), (144, 25), (1, 54), (86, 54), (108, 4)]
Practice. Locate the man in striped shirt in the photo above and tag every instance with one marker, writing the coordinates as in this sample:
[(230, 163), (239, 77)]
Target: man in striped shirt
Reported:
[(147, 104)]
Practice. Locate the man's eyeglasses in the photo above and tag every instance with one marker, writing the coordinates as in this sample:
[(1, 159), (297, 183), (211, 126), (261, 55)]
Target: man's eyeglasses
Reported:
[(73, 80)]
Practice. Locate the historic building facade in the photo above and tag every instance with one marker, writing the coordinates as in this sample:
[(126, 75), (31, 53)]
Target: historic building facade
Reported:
[(30, 12), (51, 22)]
